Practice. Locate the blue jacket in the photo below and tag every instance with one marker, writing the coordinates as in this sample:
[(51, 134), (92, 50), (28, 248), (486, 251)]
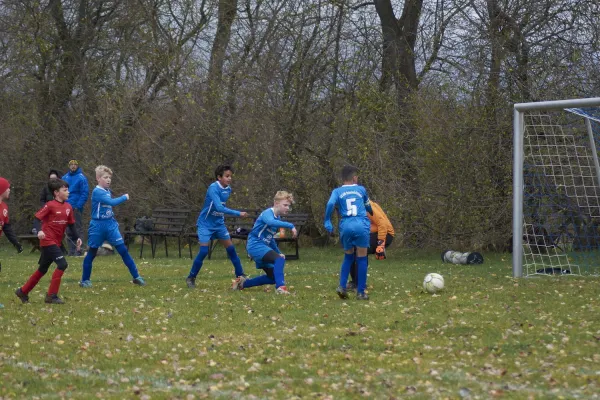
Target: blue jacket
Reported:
[(78, 187)]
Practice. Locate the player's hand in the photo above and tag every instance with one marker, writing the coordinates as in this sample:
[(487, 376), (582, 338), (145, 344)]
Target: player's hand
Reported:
[(126, 196), (19, 248), (79, 242), (294, 233), (328, 226), (41, 235), (380, 250), (243, 214), (282, 255)]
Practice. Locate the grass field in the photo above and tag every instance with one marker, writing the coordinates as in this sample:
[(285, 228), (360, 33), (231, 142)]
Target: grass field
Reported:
[(487, 335)]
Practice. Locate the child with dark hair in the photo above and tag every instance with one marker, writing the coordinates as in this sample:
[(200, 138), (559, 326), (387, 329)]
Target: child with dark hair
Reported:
[(56, 216), (45, 196), (352, 203), (211, 224)]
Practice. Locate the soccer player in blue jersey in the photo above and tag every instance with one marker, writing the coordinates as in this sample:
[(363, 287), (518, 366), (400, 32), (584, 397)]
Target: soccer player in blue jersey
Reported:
[(353, 204), (262, 245), (211, 224), (104, 227)]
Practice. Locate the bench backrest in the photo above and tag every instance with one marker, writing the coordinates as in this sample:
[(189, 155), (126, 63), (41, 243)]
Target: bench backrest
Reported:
[(232, 222), (171, 220), (298, 219)]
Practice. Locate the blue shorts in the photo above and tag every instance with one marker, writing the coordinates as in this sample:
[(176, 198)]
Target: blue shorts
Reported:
[(206, 234), (257, 251), (104, 231), (355, 233)]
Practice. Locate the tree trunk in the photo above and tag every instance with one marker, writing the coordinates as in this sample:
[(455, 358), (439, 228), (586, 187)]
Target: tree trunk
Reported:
[(227, 14), (399, 38)]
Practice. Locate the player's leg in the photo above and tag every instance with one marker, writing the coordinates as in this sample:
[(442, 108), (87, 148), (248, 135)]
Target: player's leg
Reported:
[(264, 258), (363, 266), (346, 235), (95, 240), (361, 241), (223, 235), (372, 243), (204, 237), (267, 279), (61, 266), (113, 236), (43, 265)]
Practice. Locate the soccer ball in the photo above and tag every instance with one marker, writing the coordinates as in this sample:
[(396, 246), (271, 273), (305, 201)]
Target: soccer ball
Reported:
[(433, 283)]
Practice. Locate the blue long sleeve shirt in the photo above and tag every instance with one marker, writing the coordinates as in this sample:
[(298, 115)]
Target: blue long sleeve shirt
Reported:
[(265, 227), (214, 209), (103, 202)]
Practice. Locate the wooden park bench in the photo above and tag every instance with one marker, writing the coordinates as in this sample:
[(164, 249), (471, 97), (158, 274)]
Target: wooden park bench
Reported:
[(35, 242), (32, 240), (299, 220), (166, 223)]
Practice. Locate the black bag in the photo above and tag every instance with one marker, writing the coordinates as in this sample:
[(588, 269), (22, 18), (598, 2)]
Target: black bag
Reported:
[(144, 224)]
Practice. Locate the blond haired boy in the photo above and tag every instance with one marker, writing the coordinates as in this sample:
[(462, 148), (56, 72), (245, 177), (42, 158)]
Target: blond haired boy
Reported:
[(262, 246), (104, 227)]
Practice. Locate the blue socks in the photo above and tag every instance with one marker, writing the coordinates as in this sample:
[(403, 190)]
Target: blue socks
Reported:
[(345, 270), (235, 260), (122, 250), (363, 266), (278, 272), (277, 279), (198, 261), (87, 264), (259, 281)]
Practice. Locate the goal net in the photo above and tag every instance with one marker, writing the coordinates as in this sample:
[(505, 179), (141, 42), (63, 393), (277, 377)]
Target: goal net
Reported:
[(556, 209)]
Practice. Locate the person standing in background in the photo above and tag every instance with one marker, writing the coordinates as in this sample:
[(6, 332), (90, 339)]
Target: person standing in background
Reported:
[(79, 192)]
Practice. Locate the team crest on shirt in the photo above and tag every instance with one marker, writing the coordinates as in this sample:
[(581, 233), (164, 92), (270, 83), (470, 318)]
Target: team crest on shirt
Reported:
[(68, 212), (5, 212)]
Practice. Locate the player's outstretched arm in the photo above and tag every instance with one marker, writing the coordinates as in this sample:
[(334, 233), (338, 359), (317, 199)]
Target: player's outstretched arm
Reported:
[(213, 195), (104, 197), (270, 220), (12, 237)]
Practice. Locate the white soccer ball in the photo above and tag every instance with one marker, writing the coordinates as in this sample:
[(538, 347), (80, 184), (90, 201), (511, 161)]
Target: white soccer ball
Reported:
[(433, 283)]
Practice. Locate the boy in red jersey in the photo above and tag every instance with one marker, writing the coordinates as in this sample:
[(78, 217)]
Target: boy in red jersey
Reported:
[(56, 216)]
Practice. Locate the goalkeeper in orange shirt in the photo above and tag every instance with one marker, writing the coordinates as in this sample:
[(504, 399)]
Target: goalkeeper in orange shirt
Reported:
[(382, 235)]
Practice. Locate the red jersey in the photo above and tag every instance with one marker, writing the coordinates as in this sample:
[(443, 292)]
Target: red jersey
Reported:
[(55, 217), (3, 216)]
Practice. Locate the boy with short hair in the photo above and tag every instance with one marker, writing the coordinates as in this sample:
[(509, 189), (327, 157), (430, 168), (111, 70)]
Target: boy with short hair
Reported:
[(262, 246), (352, 203), (56, 216), (104, 227), (211, 224), (4, 220), (79, 189)]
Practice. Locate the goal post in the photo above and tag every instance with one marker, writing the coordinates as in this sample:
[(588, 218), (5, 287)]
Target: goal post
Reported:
[(556, 185)]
